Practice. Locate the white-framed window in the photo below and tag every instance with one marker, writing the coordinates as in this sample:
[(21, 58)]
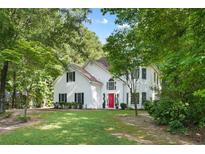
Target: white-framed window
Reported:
[(79, 97), (63, 97), (111, 85), (70, 77)]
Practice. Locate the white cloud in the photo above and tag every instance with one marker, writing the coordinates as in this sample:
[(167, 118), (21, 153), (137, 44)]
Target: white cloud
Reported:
[(103, 21), (123, 26)]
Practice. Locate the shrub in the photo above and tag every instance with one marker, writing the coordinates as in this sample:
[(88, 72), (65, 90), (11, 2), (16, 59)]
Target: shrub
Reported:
[(148, 106), (123, 106), (56, 105), (176, 127), (103, 105), (169, 112), (202, 123), (116, 105), (80, 106), (75, 105)]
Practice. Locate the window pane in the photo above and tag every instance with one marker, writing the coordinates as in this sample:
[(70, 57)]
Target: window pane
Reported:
[(63, 97), (144, 71), (111, 85), (70, 76), (79, 97)]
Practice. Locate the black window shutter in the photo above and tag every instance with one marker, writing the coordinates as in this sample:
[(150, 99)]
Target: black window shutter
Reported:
[(67, 76), (73, 76), (82, 98), (65, 97), (75, 97), (59, 96), (127, 98)]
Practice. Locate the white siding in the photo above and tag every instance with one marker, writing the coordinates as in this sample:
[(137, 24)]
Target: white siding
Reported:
[(103, 76), (81, 85), (93, 93)]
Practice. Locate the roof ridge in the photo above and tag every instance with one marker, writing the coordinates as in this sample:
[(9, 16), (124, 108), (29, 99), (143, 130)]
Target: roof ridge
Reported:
[(86, 73)]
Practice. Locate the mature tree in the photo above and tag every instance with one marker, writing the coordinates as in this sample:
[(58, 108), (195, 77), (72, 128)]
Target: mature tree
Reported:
[(40, 40), (124, 60), (173, 38)]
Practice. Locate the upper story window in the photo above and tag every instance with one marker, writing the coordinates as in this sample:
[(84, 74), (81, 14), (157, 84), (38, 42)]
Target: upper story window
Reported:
[(111, 85), (136, 73), (70, 77), (144, 73)]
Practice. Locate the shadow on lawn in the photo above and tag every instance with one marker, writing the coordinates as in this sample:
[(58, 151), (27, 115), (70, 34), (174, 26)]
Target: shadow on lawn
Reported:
[(68, 128)]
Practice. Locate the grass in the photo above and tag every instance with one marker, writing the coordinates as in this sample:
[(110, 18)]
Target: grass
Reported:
[(72, 127), (93, 127)]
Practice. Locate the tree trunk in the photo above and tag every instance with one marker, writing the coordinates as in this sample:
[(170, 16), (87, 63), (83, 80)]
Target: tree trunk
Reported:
[(25, 107), (133, 99), (14, 90), (136, 113), (3, 86)]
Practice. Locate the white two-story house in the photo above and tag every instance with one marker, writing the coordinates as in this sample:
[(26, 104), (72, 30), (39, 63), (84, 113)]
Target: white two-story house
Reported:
[(94, 86)]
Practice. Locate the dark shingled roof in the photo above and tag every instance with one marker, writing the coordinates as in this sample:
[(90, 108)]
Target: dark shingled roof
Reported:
[(103, 62), (85, 73)]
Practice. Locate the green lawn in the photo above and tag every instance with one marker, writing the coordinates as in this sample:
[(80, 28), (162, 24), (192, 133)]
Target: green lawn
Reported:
[(72, 127)]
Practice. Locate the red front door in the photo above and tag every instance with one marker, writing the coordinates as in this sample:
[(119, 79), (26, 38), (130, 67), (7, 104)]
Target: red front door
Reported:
[(111, 100)]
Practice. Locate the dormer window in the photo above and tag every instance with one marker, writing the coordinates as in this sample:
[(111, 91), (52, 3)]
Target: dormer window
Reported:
[(70, 77), (111, 85)]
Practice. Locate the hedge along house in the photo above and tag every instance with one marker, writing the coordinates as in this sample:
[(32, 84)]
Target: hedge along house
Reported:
[(94, 86)]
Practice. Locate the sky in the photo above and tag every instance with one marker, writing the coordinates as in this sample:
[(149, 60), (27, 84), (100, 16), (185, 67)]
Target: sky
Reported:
[(103, 26)]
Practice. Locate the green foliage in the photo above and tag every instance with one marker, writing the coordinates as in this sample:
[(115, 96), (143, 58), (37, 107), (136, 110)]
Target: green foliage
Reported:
[(177, 126), (39, 44), (202, 123), (123, 106), (171, 38), (68, 105), (169, 112)]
